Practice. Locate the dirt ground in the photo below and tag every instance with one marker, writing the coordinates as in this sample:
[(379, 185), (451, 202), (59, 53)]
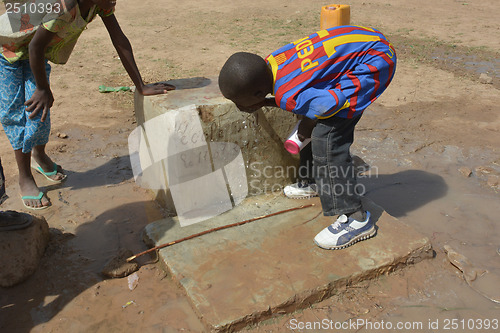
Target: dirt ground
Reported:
[(437, 116)]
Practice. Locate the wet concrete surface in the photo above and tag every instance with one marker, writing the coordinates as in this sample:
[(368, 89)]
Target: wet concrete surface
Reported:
[(246, 274)]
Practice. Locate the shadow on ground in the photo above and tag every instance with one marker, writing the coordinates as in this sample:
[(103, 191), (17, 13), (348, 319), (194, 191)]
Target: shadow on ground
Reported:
[(72, 264), (113, 172), (405, 191)]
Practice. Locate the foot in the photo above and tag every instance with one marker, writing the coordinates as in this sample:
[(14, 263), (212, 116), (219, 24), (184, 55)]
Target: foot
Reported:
[(48, 168), (301, 190), (345, 232), (30, 194)]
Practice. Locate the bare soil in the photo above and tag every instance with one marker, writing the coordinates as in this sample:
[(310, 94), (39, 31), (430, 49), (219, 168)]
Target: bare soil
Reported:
[(436, 117)]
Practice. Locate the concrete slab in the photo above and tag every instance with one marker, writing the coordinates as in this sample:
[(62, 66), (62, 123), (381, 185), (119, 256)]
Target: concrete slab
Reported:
[(245, 274)]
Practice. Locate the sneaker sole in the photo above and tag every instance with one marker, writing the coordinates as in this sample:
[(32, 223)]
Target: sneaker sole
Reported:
[(365, 235)]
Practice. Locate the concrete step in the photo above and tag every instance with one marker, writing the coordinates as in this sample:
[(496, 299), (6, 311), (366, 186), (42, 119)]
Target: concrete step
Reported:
[(246, 274)]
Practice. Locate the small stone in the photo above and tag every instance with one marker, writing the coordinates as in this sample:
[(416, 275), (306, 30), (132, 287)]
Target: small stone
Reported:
[(492, 181), (482, 170), (118, 266), (133, 281), (485, 78), (206, 286), (62, 135), (466, 172), (470, 273)]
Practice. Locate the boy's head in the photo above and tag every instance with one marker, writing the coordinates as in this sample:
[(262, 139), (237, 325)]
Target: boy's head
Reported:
[(245, 79)]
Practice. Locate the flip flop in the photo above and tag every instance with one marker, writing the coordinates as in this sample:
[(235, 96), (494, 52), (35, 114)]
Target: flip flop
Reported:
[(48, 174), (12, 220), (104, 89), (38, 197)]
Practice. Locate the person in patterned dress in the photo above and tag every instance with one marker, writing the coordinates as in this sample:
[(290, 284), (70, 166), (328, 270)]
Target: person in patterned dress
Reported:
[(28, 42)]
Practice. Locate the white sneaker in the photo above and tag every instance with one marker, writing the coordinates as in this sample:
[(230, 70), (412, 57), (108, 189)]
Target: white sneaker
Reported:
[(345, 232), (301, 190)]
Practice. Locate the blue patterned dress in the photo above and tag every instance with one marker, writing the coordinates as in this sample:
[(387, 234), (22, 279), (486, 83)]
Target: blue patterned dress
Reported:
[(17, 83)]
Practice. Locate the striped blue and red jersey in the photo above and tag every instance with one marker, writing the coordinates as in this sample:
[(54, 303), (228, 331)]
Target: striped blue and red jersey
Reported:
[(338, 71)]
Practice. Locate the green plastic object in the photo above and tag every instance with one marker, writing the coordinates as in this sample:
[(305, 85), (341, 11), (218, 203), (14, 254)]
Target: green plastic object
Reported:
[(104, 89)]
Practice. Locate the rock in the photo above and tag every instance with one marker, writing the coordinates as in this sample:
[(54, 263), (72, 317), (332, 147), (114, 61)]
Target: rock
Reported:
[(133, 281), (480, 280), (466, 172), (483, 170), (485, 78), (118, 266), (493, 181), (21, 251), (62, 135), (12, 220), (462, 263)]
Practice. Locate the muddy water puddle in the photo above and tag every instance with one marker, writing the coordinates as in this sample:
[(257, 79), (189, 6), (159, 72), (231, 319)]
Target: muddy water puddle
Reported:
[(472, 63), (461, 60), (429, 190), (451, 211)]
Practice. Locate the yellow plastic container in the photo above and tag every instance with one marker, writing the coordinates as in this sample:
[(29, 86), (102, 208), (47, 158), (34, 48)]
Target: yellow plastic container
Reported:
[(335, 15)]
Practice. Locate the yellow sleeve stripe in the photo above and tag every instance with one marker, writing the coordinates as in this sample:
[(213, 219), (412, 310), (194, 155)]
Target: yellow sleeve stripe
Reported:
[(331, 44), (324, 33), (370, 29), (346, 105), (274, 67)]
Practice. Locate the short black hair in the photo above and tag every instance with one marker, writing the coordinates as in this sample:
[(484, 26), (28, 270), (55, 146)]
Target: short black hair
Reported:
[(243, 74)]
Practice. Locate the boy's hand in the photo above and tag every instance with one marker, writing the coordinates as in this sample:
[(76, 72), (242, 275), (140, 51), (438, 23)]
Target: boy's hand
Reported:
[(155, 89), (41, 100), (306, 127)]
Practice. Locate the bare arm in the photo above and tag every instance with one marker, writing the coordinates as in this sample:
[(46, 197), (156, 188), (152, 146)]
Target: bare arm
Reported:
[(42, 99), (306, 127), (124, 49)]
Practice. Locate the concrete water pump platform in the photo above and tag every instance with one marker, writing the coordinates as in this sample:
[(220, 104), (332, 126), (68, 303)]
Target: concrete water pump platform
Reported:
[(247, 273)]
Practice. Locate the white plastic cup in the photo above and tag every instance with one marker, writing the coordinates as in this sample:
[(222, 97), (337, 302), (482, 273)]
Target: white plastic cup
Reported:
[(293, 144)]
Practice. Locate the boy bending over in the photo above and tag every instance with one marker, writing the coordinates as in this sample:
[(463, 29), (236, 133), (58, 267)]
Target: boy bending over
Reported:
[(330, 78)]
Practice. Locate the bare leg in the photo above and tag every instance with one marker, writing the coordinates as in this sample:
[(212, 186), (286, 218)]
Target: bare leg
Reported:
[(27, 182)]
